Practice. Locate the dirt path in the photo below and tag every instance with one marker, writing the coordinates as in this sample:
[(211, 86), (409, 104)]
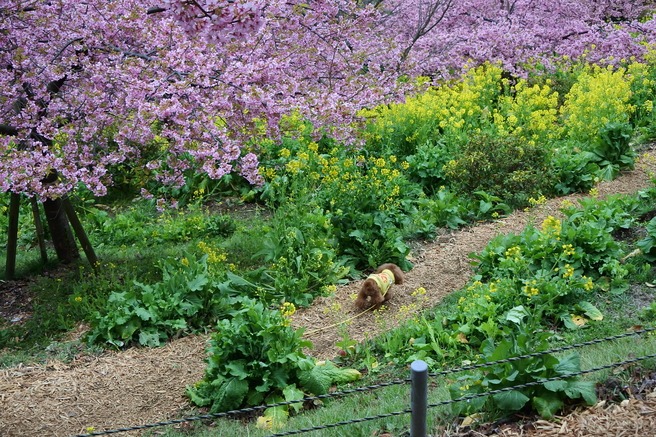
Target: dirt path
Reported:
[(140, 386)]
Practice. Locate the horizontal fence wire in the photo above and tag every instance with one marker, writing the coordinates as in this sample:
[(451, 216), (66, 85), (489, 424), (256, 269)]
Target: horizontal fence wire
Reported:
[(249, 410), (534, 383), (342, 423), (368, 388), (469, 397), (545, 352)]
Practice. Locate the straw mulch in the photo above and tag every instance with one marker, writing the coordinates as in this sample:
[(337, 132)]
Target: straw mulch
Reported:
[(632, 417), (117, 389), (140, 386)]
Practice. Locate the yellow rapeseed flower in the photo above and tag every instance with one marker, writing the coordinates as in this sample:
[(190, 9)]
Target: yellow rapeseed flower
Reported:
[(568, 250), (551, 226), (287, 309), (569, 271)]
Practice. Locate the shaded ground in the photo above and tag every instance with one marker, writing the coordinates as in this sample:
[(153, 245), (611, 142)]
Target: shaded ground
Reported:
[(15, 301), (139, 386)]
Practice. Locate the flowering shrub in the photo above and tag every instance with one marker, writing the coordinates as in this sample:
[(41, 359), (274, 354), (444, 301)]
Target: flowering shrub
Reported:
[(553, 269), (442, 115), (599, 96), (529, 112), (366, 198)]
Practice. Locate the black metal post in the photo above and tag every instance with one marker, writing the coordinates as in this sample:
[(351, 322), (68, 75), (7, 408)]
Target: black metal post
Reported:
[(418, 398)]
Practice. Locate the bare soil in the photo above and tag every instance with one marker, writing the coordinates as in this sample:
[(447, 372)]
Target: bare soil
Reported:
[(140, 386)]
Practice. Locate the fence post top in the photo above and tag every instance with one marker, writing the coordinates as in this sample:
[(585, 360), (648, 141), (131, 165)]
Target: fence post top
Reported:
[(419, 366)]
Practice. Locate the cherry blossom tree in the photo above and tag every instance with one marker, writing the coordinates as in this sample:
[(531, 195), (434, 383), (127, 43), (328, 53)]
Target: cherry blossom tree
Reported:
[(517, 33), (89, 85)]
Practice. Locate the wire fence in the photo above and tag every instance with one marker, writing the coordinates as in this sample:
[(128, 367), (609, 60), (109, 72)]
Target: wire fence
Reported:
[(418, 417)]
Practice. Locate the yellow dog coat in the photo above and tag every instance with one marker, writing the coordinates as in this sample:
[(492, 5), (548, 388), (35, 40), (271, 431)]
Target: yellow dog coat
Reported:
[(384, 280)]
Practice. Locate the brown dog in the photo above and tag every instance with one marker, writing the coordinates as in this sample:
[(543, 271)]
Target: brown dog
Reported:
[(376, 288)]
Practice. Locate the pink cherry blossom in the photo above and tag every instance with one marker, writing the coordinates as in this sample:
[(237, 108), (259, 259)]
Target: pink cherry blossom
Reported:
[(180, 85)]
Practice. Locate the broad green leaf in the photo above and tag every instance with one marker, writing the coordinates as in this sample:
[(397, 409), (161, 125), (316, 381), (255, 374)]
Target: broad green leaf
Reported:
[(266, 384), (273, 418), (196, 394), (512, 376), (555, 386), (147, 296), (547, 405), (237, 369), (568, 320), (255, 397), (511, 400), (128, 329), (149, 338), (568, 365), (229, 395), (357, 234), (517, 314), (591, 311), (582, 389), (143, 313), (501, 351), (197, 283), (292, 393), (177, 324)]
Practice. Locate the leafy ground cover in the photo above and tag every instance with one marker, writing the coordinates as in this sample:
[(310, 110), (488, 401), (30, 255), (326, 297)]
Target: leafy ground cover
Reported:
[(157, 377), (468, 151)]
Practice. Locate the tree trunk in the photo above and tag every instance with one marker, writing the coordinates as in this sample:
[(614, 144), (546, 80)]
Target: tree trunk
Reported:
[(12, 235), (60, 231)]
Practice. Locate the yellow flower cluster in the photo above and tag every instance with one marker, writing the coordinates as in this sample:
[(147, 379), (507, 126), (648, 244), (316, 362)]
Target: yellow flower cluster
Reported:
[(551, 226), (345, 179), (594, 192), (287, 309), (530, 291), (513, 252), (568, 250), (334, 308), (588, 285), (405, 311), (569, 271), (199, 193), (453, 110), (419, 292), (531, 113), (328, 289), (214, 256), (477, 292), (643, 85), (600, 95), (539, 201)]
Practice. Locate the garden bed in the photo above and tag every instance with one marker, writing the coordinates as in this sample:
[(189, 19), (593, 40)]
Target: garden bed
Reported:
[(143, 385)]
